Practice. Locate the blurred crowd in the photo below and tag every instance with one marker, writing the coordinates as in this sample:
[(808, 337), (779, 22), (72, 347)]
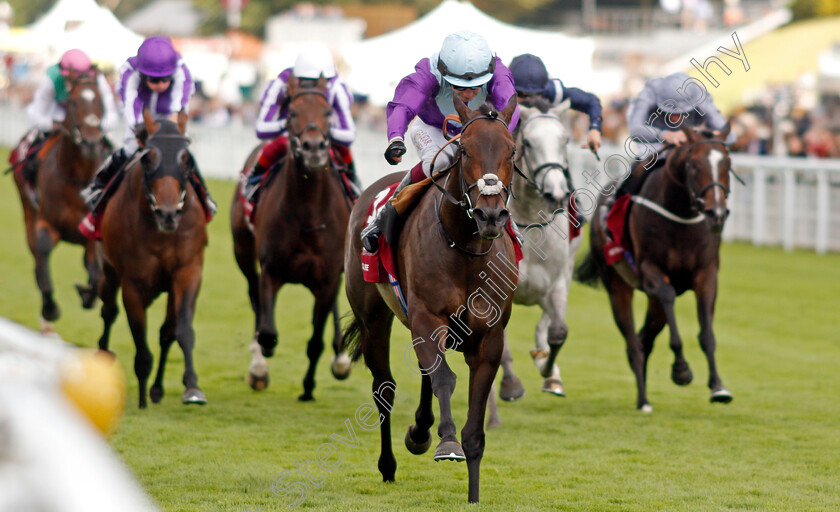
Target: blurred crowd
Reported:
[(780, 122)]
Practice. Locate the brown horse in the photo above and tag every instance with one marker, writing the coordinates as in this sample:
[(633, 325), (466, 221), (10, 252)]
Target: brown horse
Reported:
[(66, 168), (298, 235), (446, 253), (675, 235), (153, 238)]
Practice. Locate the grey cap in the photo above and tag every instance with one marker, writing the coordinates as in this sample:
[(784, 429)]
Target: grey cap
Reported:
[(667, 88)]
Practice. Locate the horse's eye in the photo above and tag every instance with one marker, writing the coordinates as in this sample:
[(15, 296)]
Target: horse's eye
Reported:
[(292, 114)]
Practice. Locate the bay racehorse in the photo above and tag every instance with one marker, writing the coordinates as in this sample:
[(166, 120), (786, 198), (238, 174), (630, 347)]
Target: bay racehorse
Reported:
[(541, 210), (674, 227), (451, 243), (154, 232), (298, 235), (68, 161)]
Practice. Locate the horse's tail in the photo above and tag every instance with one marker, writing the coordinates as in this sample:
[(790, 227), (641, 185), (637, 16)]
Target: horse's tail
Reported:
[(352, 337), (588, 271)]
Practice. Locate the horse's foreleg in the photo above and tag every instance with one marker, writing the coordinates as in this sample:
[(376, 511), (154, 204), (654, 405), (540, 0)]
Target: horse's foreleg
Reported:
[(375, 333), (554, 307), (93, 264), (427, 334), (135, 310), (705, 286), (45, 239), (167, 337), (621, 302), (512, 388), (108, 289), (483, 366), (418, 439), (315, 347), (654, 322), (244, 251), (266, 329), (656, 285), (341, 363), (185, 286)]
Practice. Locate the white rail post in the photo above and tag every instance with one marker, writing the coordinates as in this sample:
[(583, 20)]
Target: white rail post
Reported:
[(823, 212), (759, 206), (789, 210)]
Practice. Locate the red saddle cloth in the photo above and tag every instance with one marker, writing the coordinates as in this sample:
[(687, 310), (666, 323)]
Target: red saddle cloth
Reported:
[(619, 247), (380, 267), (574, 227)]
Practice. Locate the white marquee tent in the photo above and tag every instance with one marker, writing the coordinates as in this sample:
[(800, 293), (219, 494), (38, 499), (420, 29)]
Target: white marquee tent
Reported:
[(86, 25), (376, 65)]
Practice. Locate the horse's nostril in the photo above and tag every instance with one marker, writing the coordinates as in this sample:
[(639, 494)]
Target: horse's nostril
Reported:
[(503, 218), (307, 146), (480, 215), (322, 145)]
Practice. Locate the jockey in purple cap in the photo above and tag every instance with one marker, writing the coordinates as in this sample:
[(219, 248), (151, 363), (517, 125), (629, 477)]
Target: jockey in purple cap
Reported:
[(271, 123), (157, 79), (464, 67), (47, 110)]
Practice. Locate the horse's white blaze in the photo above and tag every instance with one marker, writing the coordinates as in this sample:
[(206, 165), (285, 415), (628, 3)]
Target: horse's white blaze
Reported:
[(715, 156), (88, 95)]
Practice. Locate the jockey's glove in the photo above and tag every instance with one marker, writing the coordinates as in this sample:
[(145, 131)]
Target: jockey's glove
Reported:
[(395, 150)]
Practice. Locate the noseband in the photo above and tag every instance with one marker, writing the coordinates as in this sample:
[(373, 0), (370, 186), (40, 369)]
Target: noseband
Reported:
[(532, 180), (696, 196)]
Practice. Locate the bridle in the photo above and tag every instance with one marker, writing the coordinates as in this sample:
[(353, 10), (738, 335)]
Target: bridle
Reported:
[(294, 137), (166, 145), (90, 120), (696, 196), (489, 184), (535, 173)]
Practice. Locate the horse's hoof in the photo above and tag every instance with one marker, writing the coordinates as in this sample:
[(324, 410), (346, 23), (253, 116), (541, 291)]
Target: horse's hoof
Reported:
[(511, 390), (256, 382), (647, 409), (681, 374), (193, 396), (48, 329), (306, 397), (721, 395), (340, 366), (417, 448), (554, 385), (156, 394), (88, 295), (50, 312), (450, 450)]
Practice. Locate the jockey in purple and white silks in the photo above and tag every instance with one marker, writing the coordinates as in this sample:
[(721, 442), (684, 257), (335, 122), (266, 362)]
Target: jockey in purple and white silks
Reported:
[(465, 67), (271, 122), (47, 110), (158, 79)]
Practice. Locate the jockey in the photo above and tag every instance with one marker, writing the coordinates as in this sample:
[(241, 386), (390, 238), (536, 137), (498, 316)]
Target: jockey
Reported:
[(271, 123), (531, 80), (656, 116), (464, 67), (157, 79), (47, 110), (655, 119)]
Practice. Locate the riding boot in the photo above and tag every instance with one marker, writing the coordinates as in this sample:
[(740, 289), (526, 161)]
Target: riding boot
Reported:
[(385, 219), (619, 262), (106, 172), (204, 192), (252, 182)]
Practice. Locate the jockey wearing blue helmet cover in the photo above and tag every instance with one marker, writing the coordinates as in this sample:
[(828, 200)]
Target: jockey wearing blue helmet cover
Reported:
[(532, 80)]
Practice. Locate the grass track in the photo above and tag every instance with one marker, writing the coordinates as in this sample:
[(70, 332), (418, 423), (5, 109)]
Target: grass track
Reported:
[(775, 448)]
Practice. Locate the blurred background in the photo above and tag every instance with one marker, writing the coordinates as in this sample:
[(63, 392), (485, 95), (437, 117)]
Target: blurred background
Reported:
[(784, 108)]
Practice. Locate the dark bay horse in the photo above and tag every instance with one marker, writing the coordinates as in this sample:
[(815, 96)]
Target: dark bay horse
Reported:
[(153, 237), (66, 168), (451, 245), (298, 235), (675, 249)]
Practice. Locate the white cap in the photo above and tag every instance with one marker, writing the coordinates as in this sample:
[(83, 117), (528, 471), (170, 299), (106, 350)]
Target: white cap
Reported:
[(313, 63), (467, 55)]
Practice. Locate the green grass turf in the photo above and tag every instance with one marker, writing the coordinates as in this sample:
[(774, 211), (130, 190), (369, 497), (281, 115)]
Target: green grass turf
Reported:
[(775, 448)]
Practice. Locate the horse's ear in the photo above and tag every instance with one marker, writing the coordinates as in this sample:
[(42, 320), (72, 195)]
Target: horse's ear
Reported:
[(151, 125), (562, 107), (321, 84), (689, 132), (292, 85), (507, 113), (464, 112), (725, 132), (526, 112), (182, 121)]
